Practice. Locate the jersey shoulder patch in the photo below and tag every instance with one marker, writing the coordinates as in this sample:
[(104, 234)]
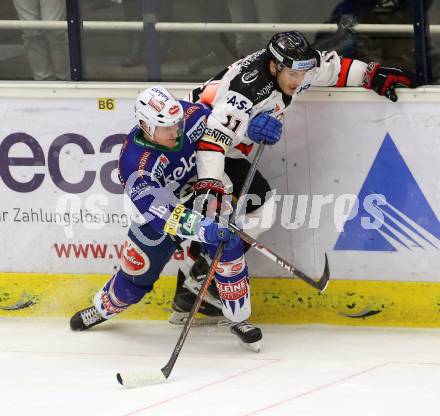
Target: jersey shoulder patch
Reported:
[(194, 110), (195, 116)]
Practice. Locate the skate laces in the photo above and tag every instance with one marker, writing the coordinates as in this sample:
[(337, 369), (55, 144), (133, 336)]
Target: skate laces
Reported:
[(90, 316), (244, 327)]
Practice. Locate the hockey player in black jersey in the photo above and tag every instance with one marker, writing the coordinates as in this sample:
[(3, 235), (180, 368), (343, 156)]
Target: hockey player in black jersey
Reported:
[(267, 81)]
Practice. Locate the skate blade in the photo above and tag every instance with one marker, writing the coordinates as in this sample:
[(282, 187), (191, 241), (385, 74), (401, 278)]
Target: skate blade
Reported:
[(254, 346), (179, 318)]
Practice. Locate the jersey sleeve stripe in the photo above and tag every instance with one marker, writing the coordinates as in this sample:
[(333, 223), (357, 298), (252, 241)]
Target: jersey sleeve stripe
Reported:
[(343, 74), (244, 148), (202, 145)]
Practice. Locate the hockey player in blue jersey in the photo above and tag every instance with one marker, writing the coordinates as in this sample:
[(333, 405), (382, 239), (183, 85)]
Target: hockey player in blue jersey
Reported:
[(157, 164)]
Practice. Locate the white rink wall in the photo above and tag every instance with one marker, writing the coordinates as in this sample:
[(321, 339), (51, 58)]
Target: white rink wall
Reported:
[(341, 149)]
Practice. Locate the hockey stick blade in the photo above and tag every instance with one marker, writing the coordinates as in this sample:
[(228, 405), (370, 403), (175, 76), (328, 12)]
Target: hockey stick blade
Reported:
[(320, 284), (139, 379), (323, 281)]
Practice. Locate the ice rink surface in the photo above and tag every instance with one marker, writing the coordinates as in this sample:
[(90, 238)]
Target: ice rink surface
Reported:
[(302, 370)]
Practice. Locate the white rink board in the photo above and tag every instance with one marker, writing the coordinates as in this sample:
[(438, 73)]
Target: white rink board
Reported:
[(45, 120), (331, 150), (329, 146)]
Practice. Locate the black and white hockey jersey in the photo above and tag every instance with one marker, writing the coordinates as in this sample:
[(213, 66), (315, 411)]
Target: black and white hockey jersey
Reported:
[(247, 88)]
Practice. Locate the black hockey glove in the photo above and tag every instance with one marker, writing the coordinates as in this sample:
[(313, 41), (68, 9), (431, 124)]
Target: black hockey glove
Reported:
[(385, 80), (207, 197)]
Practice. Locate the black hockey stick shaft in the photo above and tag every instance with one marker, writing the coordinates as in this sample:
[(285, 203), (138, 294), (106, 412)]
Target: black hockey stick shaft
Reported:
[(166, 370), (320, 284)]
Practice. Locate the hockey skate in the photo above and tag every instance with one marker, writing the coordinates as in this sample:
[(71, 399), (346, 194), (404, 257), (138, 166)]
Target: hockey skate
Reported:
[(185, 297), (249, 335), (85, 319)]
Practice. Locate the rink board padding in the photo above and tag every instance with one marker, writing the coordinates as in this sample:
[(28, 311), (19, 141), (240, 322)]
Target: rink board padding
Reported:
[(281, 301)]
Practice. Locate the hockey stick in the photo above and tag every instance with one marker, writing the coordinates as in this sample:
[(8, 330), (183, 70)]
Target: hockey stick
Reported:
[(160, 376), (320, 284)]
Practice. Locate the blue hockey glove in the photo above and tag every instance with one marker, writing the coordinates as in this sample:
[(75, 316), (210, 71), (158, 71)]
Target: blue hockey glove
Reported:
[(213, 233), (264, 128)]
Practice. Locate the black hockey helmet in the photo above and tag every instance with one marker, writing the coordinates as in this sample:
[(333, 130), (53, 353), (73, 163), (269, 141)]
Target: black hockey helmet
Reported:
[(292, 50)]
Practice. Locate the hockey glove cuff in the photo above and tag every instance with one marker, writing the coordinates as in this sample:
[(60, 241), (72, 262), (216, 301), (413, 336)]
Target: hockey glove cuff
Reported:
[(207, 197), (385, 80), (213, 233)]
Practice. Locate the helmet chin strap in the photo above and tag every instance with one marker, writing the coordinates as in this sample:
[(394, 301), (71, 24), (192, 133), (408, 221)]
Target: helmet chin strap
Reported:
[(147, 134)]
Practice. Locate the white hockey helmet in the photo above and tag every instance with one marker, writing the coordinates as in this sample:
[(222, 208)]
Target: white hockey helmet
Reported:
[(156, 106)]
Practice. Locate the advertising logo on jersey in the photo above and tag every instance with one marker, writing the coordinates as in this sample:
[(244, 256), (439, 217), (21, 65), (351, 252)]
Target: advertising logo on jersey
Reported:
[(240, 102), (133, 260), (405, 219), (157, 172), (251, 58), (249, 77), (276, 109), (143, 162), (196, 131), (189, 221), (179, 172), (173, 222), (265, 90), (139, 189), (218, 137), (303, 88), (190, 110)]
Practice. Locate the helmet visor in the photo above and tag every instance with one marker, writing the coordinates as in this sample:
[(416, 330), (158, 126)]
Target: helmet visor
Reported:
[(169, 135)]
